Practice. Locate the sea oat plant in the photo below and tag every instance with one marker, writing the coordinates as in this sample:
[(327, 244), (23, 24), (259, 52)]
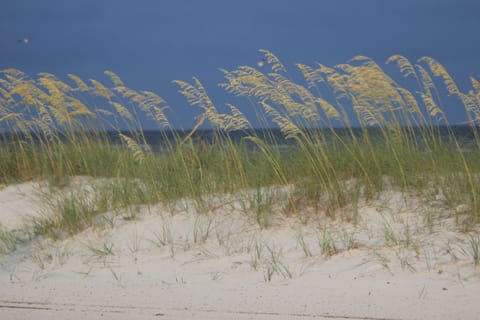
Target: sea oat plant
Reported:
[(333, 135)]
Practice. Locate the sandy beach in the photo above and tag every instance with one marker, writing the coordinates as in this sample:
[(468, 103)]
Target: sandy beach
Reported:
[(172, 263), (268, 160)]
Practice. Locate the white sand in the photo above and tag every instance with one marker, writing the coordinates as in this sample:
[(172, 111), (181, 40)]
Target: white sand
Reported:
[(223, 266), (19, 203)]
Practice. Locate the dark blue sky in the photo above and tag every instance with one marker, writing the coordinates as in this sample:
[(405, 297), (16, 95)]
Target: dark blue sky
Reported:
[(149, 43)]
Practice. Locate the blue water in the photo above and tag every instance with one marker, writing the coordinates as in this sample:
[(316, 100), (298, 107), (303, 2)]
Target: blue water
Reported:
[(272, 136)]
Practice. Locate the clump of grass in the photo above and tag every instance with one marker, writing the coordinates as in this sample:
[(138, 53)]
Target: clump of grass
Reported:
[(474, 250), (305, 247), (68, 215), (259, 202), (256, 252), (10, 240), (269, 258), (201, 230), (164, 236), (327, 244), (101, 252), (276, 265)]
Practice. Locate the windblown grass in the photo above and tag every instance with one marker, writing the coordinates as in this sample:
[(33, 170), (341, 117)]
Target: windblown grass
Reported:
[(349, 132)]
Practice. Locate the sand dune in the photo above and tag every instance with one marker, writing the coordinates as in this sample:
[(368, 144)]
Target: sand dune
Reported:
[(172, 263)]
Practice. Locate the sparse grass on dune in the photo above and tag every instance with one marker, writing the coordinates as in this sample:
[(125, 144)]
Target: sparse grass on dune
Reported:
[(56, 131)]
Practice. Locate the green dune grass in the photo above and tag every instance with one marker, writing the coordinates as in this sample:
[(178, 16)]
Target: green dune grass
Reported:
[(392, 137)]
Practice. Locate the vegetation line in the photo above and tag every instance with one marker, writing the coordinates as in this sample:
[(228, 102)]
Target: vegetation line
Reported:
[(403, 140)]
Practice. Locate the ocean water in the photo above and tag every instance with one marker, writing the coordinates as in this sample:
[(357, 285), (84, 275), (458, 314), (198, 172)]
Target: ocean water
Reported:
[(464, 134), (157, 139)]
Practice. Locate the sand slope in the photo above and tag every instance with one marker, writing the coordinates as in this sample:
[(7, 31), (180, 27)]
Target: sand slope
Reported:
[(394, 263)]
